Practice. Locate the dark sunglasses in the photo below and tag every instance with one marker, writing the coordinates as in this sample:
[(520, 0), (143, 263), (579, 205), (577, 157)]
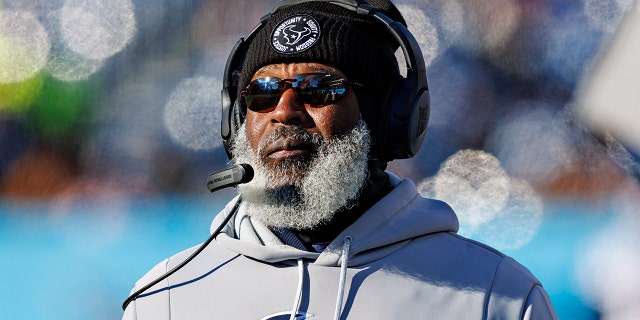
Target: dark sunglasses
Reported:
[(313, 89)]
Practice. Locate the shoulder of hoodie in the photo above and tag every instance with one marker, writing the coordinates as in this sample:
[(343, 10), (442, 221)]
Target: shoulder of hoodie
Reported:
[(513, 287), (504, 261), (155, 305), (509, 276), (504, 265), (221, 254)]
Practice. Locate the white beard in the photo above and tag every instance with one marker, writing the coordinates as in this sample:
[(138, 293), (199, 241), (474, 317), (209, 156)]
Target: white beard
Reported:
[(302, 195)]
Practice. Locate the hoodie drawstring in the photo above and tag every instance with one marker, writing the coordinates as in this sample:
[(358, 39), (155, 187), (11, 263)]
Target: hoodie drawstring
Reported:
[(343, 276), (296, 303), (341, 286)]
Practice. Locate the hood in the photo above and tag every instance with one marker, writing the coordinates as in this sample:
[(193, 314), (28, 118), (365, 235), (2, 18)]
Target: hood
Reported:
[(388, 225)]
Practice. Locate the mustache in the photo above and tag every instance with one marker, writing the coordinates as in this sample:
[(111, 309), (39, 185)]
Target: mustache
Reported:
[(291, 135)]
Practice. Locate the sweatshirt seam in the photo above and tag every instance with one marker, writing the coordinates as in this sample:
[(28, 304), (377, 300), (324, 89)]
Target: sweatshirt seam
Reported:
[(532, 284), (166, 268), (489, 250), (485, 308), (524, 302), (479, 245)]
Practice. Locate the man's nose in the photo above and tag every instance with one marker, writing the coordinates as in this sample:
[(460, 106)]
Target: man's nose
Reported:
[(289, 110)]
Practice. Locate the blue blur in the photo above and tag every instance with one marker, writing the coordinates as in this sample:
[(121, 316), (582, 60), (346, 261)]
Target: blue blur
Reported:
[(74, 261)]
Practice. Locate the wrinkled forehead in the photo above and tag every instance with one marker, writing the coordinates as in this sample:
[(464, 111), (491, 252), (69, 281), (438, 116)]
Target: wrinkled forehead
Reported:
[(288, 70)]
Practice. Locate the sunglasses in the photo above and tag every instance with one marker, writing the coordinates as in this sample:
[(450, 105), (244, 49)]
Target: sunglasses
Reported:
[(313, 89)]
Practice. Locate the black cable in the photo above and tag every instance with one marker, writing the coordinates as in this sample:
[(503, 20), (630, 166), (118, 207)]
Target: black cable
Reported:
[(213, 235)]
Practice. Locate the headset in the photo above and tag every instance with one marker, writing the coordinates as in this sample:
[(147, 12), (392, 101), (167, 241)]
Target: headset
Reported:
[(399, 136), (402, 129)]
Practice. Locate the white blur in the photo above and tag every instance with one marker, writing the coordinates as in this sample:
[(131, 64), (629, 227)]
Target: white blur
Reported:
[(608, 270), (190, 115), (97, 29), (24, 46), (606, 14), (446, 15), (614, 85), (498, 71), (37, 7), (533, 143), (424, 31), (488, 24), (64, 63), (492, 207), (69, 39)]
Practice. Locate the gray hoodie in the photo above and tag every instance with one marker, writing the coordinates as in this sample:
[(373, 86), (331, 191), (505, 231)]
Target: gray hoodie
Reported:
[(400, 260)]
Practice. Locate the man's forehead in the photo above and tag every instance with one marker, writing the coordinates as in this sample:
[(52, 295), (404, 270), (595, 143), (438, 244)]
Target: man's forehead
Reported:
[(298, 67)]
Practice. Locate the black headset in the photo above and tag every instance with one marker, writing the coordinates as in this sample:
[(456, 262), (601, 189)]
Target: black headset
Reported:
[(402, 129)]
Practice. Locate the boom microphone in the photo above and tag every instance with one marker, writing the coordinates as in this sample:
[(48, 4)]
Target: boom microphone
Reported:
[(232, 176)]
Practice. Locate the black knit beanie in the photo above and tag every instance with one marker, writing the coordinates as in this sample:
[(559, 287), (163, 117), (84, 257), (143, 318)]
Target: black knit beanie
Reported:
[(318, 31)]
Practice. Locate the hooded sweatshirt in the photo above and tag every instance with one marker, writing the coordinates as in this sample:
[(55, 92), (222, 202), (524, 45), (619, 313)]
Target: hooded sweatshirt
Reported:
[(400, 260)]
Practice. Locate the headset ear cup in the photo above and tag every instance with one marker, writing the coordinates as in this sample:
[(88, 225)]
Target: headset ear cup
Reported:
[(398, 122), (237, 120), (234, 121), (227, 129), (383, 127), (406, 120), (419, 120)]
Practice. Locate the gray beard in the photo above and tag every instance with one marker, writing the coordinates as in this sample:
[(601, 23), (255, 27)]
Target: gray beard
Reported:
[(303, 194)]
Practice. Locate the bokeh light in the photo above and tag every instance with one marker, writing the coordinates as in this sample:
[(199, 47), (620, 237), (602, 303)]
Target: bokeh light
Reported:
[(24, 46), (517, 222), (517, 55), (489, 25), (192, 114), (64, 63), (492, 207), (445, 15), (608, 99), (607, 268), (606, 14), (569, 48), (111, 109), (474, 184), (37, 7), (97, 29), (533, 142), (424, 31)]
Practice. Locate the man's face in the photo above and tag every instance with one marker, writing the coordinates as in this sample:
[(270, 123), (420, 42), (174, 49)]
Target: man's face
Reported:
[(309, 162), (323, 122)]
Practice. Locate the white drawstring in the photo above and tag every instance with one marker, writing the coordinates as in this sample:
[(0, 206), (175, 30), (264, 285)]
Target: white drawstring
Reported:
[(343, 276), (296, 303)]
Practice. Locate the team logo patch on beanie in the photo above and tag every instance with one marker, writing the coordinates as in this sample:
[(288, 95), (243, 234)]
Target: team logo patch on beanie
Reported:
[(295, 34)]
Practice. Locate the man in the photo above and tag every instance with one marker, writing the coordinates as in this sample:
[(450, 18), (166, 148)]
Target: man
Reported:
[(323, 231)]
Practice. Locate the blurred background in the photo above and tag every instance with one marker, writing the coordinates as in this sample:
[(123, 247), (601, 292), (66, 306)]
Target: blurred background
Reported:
[(109, 126)]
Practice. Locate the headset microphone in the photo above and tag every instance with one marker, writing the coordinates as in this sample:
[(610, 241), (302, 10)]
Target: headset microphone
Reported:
[(232, 176), (229, 177)]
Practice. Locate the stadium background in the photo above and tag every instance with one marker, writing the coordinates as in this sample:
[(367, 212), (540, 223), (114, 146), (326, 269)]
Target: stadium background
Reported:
[(109, 126)]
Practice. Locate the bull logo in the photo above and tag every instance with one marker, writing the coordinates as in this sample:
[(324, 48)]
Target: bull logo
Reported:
[(295, 34)]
